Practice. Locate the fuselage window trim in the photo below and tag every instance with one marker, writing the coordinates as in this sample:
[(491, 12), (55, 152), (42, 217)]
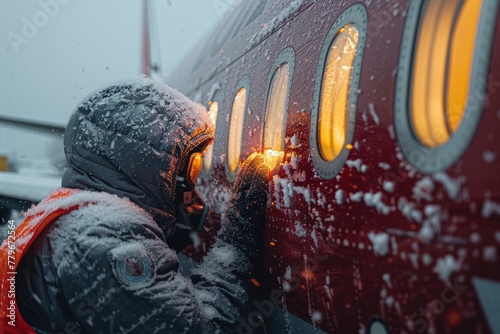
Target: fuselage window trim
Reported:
[(433, 159), (286, 56), (355, 15), (243, 83), (216, 98)]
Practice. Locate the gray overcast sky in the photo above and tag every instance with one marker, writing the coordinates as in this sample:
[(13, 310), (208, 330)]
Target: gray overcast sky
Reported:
[(79, 46)]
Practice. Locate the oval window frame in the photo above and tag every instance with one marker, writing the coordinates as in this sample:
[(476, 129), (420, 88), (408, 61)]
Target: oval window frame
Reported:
[(287, 56), (357, 16), (244, 82), (434, 159)]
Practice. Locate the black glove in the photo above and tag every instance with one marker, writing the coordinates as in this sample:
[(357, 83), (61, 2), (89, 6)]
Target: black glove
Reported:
[(251, 188), (224, 273), (246, 212)]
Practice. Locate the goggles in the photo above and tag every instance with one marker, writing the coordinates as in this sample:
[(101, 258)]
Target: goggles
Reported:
[(194, 167), (191, 209)]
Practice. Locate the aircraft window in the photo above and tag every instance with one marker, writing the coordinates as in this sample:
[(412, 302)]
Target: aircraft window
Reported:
[(207, 161), (276, 105), (334, 107), (443, 67), (236, 123), (236, 129), (336, 89)]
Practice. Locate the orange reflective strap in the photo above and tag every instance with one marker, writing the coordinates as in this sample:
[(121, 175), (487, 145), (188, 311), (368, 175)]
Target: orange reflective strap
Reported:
[(11, 252)]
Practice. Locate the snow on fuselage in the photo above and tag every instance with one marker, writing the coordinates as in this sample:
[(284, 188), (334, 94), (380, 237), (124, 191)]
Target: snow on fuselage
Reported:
[(373, 235)]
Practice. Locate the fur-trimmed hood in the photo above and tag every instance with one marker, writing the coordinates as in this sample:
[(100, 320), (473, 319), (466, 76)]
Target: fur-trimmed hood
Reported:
[(130, 139)]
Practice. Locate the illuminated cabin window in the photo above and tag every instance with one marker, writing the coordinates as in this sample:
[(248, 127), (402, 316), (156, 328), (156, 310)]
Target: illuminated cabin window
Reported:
[(334, 100), (235, 134), (207, 161), (276, 106), (442, 79), (275, 109), (336, 89), (444, 57)]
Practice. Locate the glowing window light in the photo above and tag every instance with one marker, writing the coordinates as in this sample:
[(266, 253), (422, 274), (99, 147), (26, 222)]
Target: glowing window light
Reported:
[(273, 158), (275, 114), (442, 68), (275, 109), (335, 93), (235, 135), (207, 161), (461, 62)]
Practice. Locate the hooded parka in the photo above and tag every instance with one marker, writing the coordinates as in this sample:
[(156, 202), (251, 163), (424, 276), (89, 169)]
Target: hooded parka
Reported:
[(106, 267)]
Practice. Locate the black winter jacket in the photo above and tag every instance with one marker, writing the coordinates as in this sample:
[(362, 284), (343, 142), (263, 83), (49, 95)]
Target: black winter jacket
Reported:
[(107, 267)]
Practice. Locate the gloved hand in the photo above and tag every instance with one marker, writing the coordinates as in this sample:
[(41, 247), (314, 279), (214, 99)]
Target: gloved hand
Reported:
[(246, 212), (225, 271), (251, 188)]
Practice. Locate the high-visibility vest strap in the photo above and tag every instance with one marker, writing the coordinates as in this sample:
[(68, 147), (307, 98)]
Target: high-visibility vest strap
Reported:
[(12, 251)]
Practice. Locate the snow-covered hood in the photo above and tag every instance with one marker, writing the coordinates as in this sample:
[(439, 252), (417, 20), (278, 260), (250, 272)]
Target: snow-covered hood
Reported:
[(130, 138)]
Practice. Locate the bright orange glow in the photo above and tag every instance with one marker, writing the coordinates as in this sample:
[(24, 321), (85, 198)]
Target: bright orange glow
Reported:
[(272, 243), (436, 116), (454, 317), (307, 274), (462, 52), (207, 161), (3, 163), (273, 158), (194, 167), (255, 282), (335, 93), (235, 135), (275, 113)]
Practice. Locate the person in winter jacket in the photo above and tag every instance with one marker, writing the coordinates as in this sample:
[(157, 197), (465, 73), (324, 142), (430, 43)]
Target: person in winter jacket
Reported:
[(98, 255)]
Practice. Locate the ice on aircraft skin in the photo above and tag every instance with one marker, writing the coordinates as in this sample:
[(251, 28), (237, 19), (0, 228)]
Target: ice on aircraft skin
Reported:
[(452, 186), (339, 196), (380, 242), (375, 200), (356, 197), (388, 186), (446, 266), (373, 113), (358, 164), (490, 208), (489, 156)]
